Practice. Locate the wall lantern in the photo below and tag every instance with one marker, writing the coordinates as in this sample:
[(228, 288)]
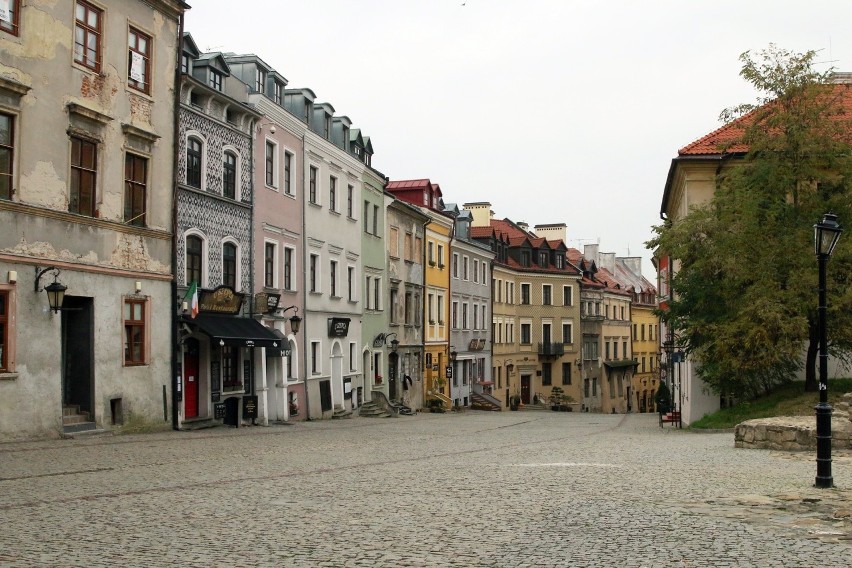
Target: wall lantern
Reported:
[(394, 343), (295, 321), (55, 290), (453, 355)]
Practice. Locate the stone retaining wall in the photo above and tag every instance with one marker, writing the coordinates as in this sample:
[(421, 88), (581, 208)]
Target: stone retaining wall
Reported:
[(795, 433)]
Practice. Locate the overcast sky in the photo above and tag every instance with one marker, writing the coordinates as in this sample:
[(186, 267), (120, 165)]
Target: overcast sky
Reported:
[(553, 111)]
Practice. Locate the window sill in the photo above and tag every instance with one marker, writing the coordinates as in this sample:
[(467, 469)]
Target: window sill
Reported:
[(4, 376), (314, 204), (333, 212), (271, 188)]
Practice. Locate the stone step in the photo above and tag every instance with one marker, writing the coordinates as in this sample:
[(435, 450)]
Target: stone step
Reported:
[(70, 419), (78, 427)]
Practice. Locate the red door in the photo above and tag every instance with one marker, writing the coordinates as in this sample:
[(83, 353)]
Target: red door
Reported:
[(190, 379)]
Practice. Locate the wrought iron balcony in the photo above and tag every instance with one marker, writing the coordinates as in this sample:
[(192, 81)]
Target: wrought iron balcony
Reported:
[(551, 349)]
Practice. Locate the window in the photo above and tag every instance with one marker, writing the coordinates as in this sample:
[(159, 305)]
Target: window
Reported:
[(525, 293), (606, 351), (231, 368), (366, 217), (418, 246), (377, 293), (270, 163), (313, 273), (475, 316), (393, 242), (546, 374), (475, 270), (5, 337), (431, 248), (134, 332), (332, 276), (332, 193), (464, 315), (184, 63), (135, 176), (269, 265), (87, 36), (288, 268), (229, 175), (567, 333), (407, 308), (525, 258), (560, 261), (615, 349), (276, 93), (193, 162), (9, 19), (567, 296), (315, 362), (455, 267), (542, 259), (350, 201), (566, 373), (259, 80), (465, 274), (194, 252), (139, 61), (454, 315), (312, 187), (350, 282), (229, 265), (440, 256), (288, 169), (7, 154), (394, 299), (84, 164), (546, 296), (353, 349), (440, 309), (526, 336), (482, 317), (376, 220), (215, 79), (624, 349)]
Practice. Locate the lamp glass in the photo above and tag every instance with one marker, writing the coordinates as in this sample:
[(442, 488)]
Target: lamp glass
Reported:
[(826, 234), (55, 295), (394, 345), (295, 323)]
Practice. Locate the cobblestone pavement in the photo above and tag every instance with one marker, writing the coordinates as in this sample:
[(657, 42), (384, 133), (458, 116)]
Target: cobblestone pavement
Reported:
[(469, 489)]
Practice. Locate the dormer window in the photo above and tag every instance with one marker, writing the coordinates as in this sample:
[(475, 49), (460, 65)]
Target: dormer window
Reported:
[(542, 258), (525, 258), (308, 110), (276, 94), (345, 138), (215, 79), (259, 80), (326, 129), (560, 262), (426, 198), (184, 63)]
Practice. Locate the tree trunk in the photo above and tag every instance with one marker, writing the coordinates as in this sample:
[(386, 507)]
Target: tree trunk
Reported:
[(811, 382)]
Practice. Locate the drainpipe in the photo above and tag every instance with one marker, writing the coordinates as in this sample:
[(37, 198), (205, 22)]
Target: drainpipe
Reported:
[(304, 292), (175, 344)]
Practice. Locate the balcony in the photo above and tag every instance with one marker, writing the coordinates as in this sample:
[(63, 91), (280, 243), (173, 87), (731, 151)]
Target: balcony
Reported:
[(547, 350)]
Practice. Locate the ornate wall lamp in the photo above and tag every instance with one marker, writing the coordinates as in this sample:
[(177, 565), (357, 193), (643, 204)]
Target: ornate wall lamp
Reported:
[(295, 320), (394, 343), (55, 290)]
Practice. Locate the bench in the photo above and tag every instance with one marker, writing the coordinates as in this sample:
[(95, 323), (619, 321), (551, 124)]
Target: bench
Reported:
[(671, 417)]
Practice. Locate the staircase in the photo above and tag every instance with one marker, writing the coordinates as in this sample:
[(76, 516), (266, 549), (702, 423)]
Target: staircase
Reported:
[(372, 409), (534, 407), (341, 412), (480, 401), (74, 420)]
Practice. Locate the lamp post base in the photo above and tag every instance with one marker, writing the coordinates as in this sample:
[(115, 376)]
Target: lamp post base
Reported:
[(824, 479)]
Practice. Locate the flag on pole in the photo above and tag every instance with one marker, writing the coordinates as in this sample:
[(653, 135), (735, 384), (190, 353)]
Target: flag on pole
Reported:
[(192, 294)]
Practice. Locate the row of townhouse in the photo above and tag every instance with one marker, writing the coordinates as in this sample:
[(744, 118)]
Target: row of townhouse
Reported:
[(185, 239)]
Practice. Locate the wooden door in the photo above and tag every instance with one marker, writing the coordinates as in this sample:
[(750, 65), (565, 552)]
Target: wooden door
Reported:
[(190, 379), (525, 389)]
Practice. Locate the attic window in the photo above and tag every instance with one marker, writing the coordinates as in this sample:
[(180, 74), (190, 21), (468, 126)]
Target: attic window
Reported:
[(542, 258), (560, 262), (215, 79), (525, 258), (259, 80), (184, 63)]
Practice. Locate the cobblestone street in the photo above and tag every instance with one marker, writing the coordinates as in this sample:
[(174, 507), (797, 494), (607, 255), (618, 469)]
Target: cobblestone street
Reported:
[(468, 489)]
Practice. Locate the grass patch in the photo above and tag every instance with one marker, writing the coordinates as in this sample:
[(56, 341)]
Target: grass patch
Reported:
[(138, 425), (788, 400)]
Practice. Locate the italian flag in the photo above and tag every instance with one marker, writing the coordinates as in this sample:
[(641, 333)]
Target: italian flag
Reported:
[(192, 294)]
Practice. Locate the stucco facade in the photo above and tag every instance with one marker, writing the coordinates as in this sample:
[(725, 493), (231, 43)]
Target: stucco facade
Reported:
[(88, 134)]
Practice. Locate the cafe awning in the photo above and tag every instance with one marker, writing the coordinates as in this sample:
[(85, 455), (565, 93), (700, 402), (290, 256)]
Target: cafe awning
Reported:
[(621, 363), (235, 331)]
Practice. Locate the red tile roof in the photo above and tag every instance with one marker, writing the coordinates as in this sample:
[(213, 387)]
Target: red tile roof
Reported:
[(409, 184)]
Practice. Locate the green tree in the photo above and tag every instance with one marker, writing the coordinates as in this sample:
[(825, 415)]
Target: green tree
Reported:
[(745, 302), (663, 398)]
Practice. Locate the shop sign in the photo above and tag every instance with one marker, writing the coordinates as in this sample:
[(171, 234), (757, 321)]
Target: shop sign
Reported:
[(449, 371), (266, 303), (250, 407), (222, 300), (338, 327)]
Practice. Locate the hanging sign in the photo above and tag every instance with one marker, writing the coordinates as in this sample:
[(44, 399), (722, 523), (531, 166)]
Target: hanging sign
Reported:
[(222, 300), (137, 67), (5, 12)]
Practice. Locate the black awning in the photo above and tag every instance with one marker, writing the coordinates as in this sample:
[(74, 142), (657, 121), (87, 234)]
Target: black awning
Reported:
[(235, 331)]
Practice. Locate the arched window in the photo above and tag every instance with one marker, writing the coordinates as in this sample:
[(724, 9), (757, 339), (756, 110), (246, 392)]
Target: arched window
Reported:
[(229, 265), (229, 175), (194, 259), (193, 162)]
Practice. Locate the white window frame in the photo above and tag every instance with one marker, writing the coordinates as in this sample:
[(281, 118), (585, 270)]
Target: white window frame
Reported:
[(238, 187), (205, 256), (293, 268), (238, 272), (203, 139), (275, 262), (276, 165)]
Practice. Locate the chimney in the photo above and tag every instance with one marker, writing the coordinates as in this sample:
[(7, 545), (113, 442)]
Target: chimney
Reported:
[(633, 264), (607, 261), (523, 225), (553, 232), (591, 253), (481, 212)]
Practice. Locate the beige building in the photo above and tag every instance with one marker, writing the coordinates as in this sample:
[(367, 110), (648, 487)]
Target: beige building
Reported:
[(86, 207), (535, 309)]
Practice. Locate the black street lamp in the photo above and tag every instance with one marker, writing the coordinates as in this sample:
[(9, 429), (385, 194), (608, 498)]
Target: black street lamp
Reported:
[(826, 234)]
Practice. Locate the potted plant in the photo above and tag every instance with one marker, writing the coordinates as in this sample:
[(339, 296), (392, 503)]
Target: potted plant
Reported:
[(514, 401), (555, 398), (565, 403)]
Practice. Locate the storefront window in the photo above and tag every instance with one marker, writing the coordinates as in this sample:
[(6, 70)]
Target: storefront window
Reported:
[(231, 369)]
